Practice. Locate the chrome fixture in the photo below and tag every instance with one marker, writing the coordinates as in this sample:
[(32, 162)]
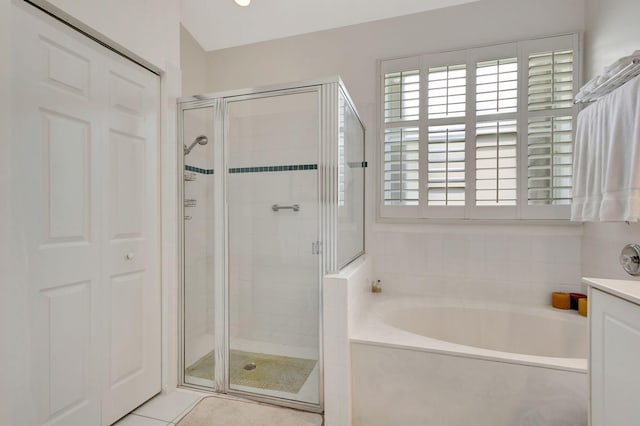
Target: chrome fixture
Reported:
[(294, 207), (630, 259), (200, 140), (627, 73)]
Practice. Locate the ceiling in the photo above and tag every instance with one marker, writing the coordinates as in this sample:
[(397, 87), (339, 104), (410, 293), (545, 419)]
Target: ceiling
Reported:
[(219, 24)]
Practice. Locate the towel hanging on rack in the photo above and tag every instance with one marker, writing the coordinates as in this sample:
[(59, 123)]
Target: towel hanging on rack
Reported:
[(606, 165), (612, 77)]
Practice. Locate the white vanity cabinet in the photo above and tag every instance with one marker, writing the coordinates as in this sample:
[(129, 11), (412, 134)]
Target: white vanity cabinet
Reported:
[(614, 361)]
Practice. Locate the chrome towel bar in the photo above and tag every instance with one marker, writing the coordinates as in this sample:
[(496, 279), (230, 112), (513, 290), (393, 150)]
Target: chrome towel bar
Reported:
[(294, 207), (610, 84)]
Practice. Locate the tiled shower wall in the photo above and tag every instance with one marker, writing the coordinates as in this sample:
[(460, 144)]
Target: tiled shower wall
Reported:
[(519, 264), (199, 238), (273, 274)]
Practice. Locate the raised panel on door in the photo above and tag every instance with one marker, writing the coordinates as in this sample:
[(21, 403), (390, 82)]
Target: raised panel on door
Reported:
[(54, 139), (131, 243), (615, 373), (65, 318)]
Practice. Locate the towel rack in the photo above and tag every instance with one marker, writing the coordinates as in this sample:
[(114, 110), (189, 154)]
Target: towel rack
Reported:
[(618, 79), (294, 207)]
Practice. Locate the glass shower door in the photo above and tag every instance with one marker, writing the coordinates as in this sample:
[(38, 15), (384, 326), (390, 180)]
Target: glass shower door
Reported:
[(198, 295), (273, 261)]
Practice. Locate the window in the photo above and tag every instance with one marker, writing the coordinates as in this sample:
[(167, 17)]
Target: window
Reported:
[(480, 133), (401, 138)]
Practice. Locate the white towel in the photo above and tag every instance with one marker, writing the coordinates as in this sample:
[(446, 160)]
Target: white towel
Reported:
[(606, 167)]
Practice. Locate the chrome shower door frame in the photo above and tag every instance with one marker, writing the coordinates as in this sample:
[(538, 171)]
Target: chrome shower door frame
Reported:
[(276, 91)]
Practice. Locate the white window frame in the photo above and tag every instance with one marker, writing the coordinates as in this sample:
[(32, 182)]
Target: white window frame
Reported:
[(521, 50)]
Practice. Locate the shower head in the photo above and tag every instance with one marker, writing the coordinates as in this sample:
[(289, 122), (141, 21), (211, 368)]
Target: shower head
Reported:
[(200, 140)]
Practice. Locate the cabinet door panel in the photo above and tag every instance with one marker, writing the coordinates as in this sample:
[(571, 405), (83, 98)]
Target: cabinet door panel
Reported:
[(615, 372)]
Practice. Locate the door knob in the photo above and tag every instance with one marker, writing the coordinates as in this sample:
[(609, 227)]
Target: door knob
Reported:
[(130, 256)]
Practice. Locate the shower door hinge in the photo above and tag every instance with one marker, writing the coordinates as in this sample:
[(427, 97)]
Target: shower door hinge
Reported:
[(316, 247)]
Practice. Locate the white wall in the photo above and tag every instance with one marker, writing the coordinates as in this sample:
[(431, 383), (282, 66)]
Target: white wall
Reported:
[(193, 60), (352, 52), (149, 29), (602, 243), (11, 314), (612, 31)]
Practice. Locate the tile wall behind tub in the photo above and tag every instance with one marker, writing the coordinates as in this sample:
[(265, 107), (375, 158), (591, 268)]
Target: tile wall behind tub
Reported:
[(520, 264)]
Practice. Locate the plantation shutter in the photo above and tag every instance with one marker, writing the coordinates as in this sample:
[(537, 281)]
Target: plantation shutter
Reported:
[(446, 139), (550, 80), (496, 132), (496, 163), (480, 133), (401, 166), (550, 167), (401, 138), (550, 128)]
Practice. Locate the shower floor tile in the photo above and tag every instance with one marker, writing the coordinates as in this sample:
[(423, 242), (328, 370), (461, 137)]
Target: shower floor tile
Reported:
[(272, 372)]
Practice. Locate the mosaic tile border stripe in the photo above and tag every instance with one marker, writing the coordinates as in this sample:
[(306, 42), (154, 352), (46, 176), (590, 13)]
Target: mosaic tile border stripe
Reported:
[(357, 164), (198, 170), (273, 168)]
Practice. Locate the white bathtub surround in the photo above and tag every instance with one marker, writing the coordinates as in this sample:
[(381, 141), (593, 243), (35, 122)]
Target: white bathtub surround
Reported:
[(401, 374), (540, 336), (343, 296), (408, 387)]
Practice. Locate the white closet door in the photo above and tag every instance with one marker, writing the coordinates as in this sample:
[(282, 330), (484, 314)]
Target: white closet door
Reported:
[(131, 239), (85, 142)]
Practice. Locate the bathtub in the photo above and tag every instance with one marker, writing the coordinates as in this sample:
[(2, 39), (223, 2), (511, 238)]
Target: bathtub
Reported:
[(428, 361)]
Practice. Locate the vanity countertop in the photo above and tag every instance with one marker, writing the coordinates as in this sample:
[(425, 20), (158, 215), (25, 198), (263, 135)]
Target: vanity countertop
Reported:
[(625, 289)]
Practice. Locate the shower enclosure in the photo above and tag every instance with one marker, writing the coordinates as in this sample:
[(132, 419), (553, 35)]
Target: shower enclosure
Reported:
[(273, 195)]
